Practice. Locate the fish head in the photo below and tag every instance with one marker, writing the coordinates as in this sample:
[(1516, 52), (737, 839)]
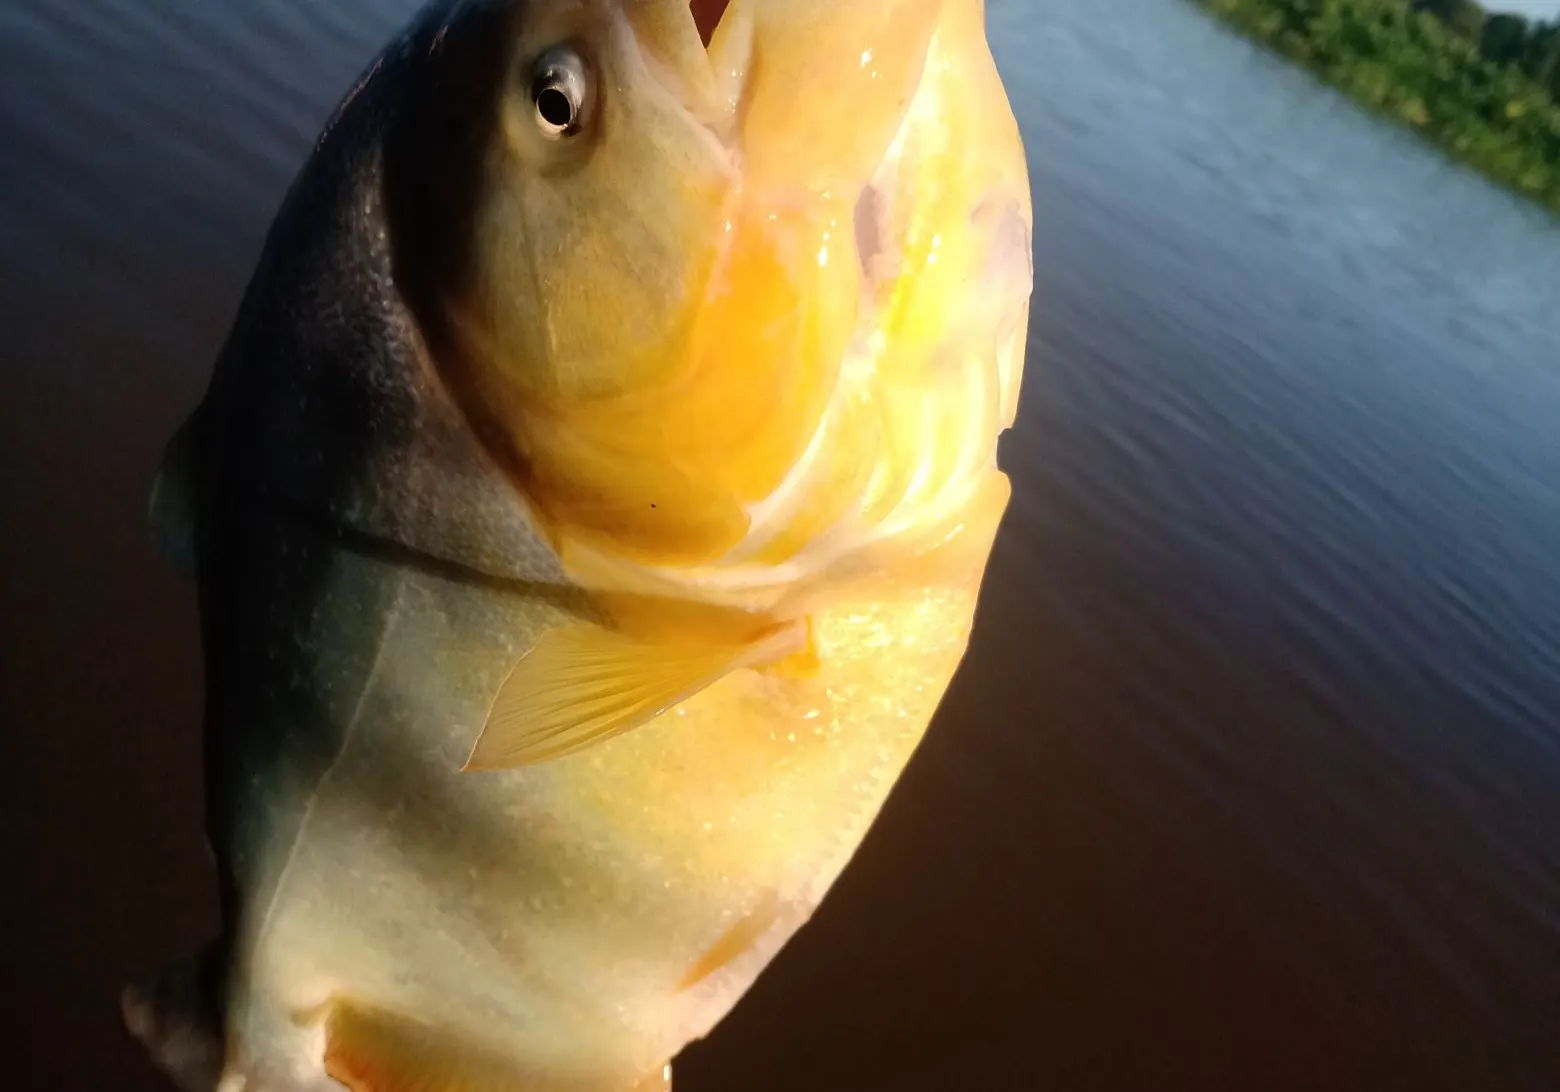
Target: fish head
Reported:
[(735, 285)]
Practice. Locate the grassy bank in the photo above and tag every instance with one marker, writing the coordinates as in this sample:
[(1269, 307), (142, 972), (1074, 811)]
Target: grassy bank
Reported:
[(1482, 87)]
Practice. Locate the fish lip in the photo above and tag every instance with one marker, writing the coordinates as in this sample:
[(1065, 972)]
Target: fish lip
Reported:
[(704, 113), (709, 99)]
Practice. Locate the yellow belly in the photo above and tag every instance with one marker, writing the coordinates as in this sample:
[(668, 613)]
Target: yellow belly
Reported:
[(584, 918)]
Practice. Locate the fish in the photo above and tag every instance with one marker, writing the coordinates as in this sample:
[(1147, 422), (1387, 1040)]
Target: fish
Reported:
[(587, 513)]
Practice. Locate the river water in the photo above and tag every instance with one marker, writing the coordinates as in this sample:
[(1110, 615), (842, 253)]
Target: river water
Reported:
[(1252, 778)]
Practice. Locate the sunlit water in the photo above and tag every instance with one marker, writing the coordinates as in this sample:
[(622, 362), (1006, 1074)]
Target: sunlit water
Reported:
[(1252, 779)]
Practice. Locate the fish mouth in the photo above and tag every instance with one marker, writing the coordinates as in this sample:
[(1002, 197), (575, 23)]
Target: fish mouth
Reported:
[(707, 15), (700, 52), (806, 101), (771, 76)]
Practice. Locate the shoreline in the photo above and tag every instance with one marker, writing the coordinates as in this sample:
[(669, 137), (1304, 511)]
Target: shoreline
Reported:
[(1410, 68)]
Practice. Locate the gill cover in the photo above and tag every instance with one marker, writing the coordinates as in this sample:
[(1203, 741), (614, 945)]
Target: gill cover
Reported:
[(666, 282)]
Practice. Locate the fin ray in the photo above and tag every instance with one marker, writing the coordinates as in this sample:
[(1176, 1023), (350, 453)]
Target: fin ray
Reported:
[(584, 685), (372, 1051), (736, 942)]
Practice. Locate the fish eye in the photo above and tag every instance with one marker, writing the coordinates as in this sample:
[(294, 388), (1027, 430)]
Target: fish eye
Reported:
[(560, 92)]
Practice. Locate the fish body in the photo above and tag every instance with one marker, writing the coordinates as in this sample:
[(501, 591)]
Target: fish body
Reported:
[(586, 534)]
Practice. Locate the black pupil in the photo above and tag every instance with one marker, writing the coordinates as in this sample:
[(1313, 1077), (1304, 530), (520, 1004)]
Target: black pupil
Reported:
[(555, 107)]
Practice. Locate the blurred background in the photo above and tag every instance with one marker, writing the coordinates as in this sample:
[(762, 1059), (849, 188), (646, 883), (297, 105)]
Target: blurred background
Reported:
[(1252, 777)]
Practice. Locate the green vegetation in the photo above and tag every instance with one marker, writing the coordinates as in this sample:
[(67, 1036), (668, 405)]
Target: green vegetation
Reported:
[(1484, 87)]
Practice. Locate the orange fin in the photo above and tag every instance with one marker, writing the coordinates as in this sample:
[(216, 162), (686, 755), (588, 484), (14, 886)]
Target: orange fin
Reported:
[(586, 684), (735, 942), (803, 663), (373, 1051)]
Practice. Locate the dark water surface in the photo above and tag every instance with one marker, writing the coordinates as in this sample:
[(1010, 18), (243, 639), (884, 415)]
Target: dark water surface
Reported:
[(1252, 779)]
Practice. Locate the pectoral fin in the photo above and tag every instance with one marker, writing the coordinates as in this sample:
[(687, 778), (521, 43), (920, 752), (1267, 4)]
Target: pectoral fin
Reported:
[(584, 685), (371, 1051)]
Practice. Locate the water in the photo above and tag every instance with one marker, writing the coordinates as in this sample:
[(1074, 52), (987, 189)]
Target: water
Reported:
[(1252, 779)]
